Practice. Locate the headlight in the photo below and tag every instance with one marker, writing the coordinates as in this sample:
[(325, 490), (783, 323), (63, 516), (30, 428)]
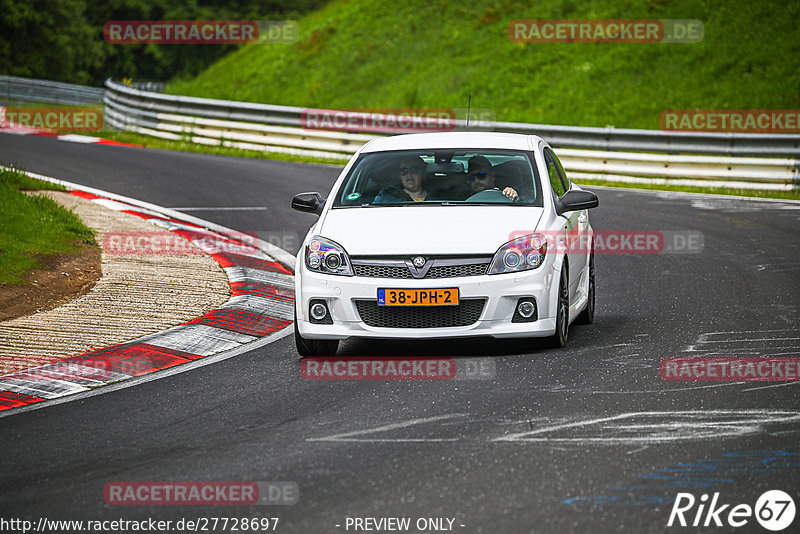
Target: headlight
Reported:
[(521, 254), (326, 256)]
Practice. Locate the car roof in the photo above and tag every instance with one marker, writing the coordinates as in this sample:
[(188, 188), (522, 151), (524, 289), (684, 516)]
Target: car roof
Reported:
[(423, 141)]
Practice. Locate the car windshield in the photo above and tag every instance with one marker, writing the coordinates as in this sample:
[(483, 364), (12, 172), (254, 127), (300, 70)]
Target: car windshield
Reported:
[(441, 177)]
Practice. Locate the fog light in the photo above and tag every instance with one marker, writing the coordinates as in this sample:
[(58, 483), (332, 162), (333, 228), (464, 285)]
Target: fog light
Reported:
[(526, 309), (319, 311)]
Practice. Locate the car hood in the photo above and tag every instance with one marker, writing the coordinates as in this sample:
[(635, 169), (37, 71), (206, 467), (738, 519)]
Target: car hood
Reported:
[(410, 230)]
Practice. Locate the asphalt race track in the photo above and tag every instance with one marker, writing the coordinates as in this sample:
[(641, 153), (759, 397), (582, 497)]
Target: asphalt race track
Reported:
[(585, 439)]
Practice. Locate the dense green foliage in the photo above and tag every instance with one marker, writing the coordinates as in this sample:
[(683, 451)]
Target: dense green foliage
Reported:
[(62, 40), (434, 53)]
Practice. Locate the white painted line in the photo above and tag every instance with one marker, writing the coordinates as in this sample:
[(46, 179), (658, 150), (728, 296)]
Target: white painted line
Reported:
[(743, 333), (749, 340), (648, 391), (794, 383), (75, 138), (515, 437), (697, 424), (348, 436)]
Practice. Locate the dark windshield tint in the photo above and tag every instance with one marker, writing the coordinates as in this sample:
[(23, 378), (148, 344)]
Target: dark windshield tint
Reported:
[(465, 176)]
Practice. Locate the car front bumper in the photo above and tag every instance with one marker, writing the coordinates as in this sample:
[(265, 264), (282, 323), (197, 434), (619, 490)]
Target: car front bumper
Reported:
[(500, 294)]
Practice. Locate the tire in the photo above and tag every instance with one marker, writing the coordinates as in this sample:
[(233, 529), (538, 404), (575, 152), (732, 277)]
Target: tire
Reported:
[(559, 338), (313, 347), (587, 315)]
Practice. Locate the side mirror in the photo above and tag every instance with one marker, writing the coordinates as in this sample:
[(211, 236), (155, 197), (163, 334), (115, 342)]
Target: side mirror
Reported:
[(308, 202), (576, 200)]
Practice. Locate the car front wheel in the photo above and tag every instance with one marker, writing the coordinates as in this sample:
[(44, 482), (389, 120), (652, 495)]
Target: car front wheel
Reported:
[(587, 315), (559, 338)]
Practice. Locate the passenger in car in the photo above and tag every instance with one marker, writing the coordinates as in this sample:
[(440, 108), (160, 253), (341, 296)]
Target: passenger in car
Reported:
[(412, 180), (481, 177)]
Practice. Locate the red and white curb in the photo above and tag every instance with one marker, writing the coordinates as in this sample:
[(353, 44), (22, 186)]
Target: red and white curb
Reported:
[(262, 303), (72, 138)]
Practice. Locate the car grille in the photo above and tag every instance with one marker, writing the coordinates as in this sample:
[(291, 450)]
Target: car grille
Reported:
[(381, 271), (376, 270), (464, 314), (452, 271)]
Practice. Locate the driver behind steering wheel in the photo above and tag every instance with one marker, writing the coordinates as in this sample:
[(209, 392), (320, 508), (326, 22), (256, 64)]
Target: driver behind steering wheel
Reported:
[(481, 177)]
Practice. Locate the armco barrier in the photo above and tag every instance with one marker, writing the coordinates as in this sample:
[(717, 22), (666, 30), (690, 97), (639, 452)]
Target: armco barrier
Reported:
[(277, 128), (609, 152), (14, 88)]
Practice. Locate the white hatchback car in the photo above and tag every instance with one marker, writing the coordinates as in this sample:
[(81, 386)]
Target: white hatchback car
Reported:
[(444, 235)]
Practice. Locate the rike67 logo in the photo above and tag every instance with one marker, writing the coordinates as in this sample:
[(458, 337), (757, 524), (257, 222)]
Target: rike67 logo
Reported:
[(774, 510)]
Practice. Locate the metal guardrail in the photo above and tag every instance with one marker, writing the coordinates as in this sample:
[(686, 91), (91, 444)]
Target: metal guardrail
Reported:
[(154, 87), (278, 129), (14, 88), (731, 144)]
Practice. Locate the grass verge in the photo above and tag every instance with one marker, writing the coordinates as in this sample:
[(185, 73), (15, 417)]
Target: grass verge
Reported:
[(33, 226)]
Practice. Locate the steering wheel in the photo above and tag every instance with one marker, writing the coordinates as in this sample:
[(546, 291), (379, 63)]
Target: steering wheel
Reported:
[(489, 195)]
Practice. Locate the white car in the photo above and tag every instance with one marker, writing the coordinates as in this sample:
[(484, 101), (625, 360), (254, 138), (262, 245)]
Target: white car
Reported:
[(445, 235)]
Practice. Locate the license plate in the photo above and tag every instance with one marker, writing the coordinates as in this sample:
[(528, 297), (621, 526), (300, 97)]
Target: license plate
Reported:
[(418, 297)]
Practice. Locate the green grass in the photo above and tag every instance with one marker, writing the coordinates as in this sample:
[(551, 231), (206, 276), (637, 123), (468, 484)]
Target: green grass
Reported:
[(186, 146), (23, 182), (757, 193), (33, 226), (434, 53)]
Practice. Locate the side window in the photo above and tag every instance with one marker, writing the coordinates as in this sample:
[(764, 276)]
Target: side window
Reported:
[(564, 179), (553, 173)]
